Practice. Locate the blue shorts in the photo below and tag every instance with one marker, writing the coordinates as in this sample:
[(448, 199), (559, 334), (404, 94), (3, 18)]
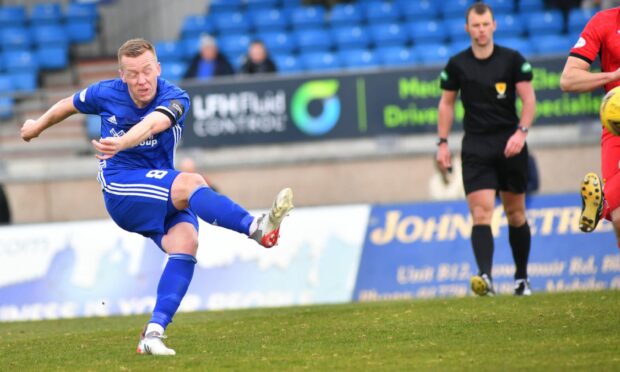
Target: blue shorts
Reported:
[(139, 201)]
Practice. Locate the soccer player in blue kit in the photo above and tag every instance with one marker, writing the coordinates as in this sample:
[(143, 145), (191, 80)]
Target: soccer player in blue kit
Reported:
[(141, 124)]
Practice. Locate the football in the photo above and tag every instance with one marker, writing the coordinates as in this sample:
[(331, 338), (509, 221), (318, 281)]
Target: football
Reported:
[(610, 111)]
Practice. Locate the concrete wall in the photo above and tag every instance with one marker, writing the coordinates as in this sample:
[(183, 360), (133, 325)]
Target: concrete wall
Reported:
[(385, 180)]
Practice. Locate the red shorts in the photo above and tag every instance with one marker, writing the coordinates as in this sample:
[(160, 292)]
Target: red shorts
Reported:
[(610, 167)]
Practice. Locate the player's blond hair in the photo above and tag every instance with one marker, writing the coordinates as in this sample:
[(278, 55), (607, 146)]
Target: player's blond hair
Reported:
[(135, 48)]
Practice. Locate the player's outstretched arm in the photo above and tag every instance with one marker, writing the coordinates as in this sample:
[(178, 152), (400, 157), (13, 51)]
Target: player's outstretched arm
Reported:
[(577, 77), (57, 113), (444, 124), (152, 124)]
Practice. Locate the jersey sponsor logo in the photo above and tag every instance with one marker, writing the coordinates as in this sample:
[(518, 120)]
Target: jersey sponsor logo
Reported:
[(112, 120), (526, 67), (83, 95), (443, 75), (581, 42), (501, 89), (177, 108)]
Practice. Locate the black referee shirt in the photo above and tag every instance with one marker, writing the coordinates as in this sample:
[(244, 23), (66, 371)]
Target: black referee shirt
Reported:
[(488, 87)]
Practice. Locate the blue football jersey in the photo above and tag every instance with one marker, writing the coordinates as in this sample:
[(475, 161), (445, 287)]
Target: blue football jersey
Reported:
[(110, 100)]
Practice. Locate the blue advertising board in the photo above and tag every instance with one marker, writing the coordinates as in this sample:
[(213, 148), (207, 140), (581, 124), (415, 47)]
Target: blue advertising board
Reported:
[(423, 250)]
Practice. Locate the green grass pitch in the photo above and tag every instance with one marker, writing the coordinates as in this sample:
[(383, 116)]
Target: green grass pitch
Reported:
[(567, 331)]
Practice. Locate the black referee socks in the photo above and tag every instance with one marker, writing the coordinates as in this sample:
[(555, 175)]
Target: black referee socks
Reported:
[(482, 242), (520, 239)]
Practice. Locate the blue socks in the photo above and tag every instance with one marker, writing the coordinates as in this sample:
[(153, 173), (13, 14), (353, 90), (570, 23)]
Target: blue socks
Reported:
[(219, 210), (172, 287)]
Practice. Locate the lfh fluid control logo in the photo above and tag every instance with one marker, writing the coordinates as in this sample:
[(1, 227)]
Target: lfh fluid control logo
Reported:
[(323, 90)]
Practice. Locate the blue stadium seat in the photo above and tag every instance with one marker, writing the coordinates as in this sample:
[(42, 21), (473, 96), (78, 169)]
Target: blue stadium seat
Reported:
[(501, 6), (455, 8), (346, 14), (418, 10), (426, 32), (455, 28), (52, 57), (234, 45), (553, 44), (396, 56), (319, 61), (578, 18), (544, 23), (6, 107), (433, 53), (389, 34), (231, 22), (46, 13), (308, 17), (6, 85), (312, 40), (218, 6), (81, 31), (50, 35), (358, 58), (520, 44), (12, 16), (350, 37), (191, 46), (15, 38), (531, 5), (20, 61), (287, 63), (261, 4), (195, 25), (459, 46), (173, 71), (24, 81), (509, 25), (269, 19), (278, 42), (292, 4), (169, 51), (82, 12), (381, 12)]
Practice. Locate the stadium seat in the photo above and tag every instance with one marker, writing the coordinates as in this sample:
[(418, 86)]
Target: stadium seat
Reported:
[(454, 8), (195, 25), (234, 45), (396, 56), (455, 28), (346, 14), (6, 107), (269, 19), (459, 46), (553, 44), (531, 5), (292, 4), (191, 46), (50, 35), (219, 6), (15, 38), (169, 51), (261, 4), (418, 10), (350, 37), (388, 34), (81, 31), (46, 13), (522, 45), (278, 42), (6, 85), (544, 23), (382, 11), (20, 61), (173, 71), (24, 81), (287, 63), (433, 53), (319, 61), (358, 58), (313, 40), (501, 7), (578, 18), (426, 32), (82, 12), (12, 16), (509, 25), (231, 22), (52, 57), (308, 17)]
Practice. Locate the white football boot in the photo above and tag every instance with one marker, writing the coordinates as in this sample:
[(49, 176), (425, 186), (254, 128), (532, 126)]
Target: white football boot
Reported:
[(152, 344), (268, 226)]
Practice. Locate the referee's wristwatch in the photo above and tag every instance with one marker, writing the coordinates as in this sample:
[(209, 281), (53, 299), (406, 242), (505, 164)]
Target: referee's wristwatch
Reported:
[(523, 129), (441, 140)]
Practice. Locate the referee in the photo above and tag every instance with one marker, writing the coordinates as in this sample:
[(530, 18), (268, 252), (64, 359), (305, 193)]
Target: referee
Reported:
[(494, 154)]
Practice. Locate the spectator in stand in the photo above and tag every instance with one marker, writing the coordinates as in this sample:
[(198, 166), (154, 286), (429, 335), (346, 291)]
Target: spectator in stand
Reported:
[(603, 4), (257, 60), (209, 62), (5, 212)]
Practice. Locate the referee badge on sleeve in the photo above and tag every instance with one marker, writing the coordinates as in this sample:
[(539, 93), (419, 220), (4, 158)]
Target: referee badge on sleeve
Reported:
[(501, 90)]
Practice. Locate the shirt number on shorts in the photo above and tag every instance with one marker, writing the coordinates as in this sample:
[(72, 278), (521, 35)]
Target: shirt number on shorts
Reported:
[(159, 174)]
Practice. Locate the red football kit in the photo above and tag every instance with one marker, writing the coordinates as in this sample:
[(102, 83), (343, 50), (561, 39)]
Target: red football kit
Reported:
[(601, 37)]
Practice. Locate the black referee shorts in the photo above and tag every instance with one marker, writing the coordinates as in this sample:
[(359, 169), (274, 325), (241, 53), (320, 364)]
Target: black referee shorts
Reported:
[(486, 167)]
